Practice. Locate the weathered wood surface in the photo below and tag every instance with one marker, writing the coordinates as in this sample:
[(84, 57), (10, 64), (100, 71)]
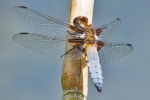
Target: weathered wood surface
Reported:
[(75, 72)]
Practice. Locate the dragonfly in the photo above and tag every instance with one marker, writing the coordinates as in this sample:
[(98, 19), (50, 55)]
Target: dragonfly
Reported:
[(81, 39)]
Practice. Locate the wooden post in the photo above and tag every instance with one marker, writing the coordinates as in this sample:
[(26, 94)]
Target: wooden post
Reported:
[(75, 73)]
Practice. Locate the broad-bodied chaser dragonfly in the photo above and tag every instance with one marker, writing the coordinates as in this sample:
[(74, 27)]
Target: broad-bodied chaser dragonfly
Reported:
[(82, 39)]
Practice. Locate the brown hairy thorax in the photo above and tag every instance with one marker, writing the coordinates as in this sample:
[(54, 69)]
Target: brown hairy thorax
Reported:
[(81, 26)]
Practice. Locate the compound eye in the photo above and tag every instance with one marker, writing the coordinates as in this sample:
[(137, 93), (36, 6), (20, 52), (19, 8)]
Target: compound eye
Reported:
[(75, 21), (84, 20)]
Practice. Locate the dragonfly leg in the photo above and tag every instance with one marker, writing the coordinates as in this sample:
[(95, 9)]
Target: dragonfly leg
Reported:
[(67, 51)]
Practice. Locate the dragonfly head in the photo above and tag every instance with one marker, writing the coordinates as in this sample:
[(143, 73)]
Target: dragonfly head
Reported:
[(81, 22)]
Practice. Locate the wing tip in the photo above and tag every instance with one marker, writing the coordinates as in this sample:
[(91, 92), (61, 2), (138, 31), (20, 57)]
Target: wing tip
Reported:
[(16, 35), (17, 7), (23, 7), (20, 7), (129, 44), (118, 19), (23, 33)]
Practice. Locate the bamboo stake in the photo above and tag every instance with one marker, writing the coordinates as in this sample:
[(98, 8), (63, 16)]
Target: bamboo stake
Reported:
[(75, 73)]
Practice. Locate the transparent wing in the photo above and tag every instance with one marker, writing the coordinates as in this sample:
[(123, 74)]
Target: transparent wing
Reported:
[(108, 30), (46, 24), (112, 51), (53, 47)]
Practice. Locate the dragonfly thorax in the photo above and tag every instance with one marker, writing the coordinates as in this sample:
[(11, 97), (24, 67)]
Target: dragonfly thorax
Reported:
[(83, 31)]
